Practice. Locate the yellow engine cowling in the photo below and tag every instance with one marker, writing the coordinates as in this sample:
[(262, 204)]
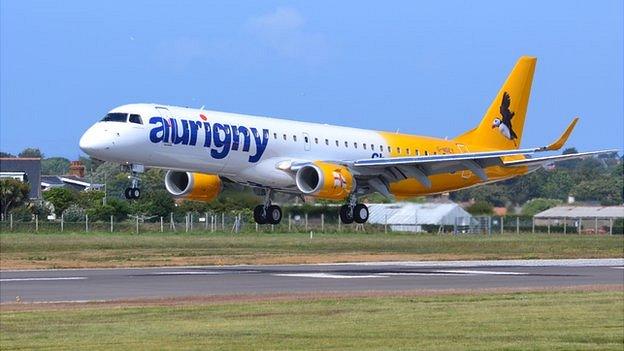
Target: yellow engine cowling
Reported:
[(325, 180), (193, 186)]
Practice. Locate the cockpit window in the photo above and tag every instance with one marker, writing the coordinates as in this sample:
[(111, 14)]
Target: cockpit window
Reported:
[(115, 117), (135, 119)]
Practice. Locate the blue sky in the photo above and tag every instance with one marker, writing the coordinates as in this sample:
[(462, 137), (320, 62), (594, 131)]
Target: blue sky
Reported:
[(427, 68)]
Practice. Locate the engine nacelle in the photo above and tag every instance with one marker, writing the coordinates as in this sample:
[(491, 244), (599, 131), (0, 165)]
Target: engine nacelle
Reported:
[(193, 186), (325, 180)]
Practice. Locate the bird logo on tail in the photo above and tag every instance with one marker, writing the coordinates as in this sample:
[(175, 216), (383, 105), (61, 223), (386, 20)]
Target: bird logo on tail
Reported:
[(503, 123)]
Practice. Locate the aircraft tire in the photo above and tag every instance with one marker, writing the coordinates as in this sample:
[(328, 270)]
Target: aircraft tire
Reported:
[(345, 215), (274, 214), (260, 215), (360, 213)]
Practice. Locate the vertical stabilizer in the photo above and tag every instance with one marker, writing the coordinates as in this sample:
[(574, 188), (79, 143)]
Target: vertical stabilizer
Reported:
[(502, 125)]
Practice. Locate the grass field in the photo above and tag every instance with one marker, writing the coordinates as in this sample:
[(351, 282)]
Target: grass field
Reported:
[(23, 250), (588, 320)]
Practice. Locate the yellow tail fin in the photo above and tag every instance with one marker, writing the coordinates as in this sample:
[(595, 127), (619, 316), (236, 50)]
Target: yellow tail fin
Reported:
[(502, 125)]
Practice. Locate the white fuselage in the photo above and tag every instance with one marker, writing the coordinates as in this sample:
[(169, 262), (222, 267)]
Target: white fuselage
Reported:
[(245, 149)]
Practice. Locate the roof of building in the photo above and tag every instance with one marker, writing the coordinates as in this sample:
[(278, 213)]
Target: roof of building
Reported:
[(30, 166), (582, 212), (418, 213)]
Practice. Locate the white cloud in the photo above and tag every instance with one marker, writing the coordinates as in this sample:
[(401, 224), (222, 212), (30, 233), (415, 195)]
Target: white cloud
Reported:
[(180, 52), (283, 31)]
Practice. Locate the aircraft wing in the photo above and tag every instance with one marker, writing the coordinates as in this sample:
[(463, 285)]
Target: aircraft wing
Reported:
[(379, 172)]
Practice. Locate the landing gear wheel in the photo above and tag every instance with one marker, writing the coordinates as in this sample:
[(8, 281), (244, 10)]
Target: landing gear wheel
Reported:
[(132, 193), (346, 215), (260, 215), (360, 213), (274, 214)]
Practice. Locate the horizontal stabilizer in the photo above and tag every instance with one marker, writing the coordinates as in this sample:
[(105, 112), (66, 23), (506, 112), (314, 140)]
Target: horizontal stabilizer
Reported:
[(556, 158)]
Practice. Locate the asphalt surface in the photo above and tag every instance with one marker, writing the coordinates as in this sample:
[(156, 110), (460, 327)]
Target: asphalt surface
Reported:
[(113, 284)]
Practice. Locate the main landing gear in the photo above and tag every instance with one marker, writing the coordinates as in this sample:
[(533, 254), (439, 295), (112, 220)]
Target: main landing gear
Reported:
[(134, 192), (353, 212), (267, 213)]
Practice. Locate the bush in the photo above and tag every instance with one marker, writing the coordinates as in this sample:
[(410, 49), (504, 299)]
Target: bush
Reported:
[(480, 208), (535, 206)]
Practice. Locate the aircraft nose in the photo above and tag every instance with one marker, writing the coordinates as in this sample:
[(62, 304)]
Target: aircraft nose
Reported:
[(94, 141)]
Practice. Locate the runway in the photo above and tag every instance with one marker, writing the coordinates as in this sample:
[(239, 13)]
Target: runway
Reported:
[(73, 285)]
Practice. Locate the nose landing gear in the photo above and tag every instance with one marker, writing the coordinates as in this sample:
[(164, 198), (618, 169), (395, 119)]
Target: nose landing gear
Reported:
[(267, 213), (133, 192)]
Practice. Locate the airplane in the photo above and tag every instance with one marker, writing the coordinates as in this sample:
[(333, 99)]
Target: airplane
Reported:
[(202, 149)]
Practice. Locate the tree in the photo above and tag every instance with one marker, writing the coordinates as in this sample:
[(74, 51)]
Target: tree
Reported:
[(31, 152), (607, 190), (535, 206), (55, 166), (119, 209), (480, 208), (13, 193), (153, 203), (6, 154), (61, 198)]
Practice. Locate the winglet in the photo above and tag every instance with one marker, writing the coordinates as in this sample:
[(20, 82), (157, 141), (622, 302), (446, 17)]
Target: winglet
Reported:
[(563, 138)]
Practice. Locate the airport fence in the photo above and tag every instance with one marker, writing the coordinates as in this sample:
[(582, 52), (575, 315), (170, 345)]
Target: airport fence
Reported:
[(237, 222)]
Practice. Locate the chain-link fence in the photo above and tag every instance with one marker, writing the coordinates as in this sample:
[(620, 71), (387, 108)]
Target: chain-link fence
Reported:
[(236, 222)]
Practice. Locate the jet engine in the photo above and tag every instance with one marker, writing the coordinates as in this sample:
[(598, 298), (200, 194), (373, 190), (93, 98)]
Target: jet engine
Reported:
[(193, 186), (325, 180)]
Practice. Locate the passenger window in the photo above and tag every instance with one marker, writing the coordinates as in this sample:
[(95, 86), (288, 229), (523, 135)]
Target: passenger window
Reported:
[(364, 146), (326, 141), (426, 152), (346, 144), (274, 135), (398, 150), (135, 119), (305, 139), (417, 153), (407, 150), (284, 136), (389, 148), (373, 147), (294, 138), (355, 145), (115, 117), (316, 140), (337, 144)]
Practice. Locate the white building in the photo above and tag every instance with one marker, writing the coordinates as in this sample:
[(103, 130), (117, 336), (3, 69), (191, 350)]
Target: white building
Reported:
[(410, 217)]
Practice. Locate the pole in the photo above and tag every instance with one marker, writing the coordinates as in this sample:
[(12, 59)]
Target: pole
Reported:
[(306, 222), (580, 222), (323, 222), (532, 225), (111, 223), (517, 225), (596, 225), (565, 225), (386, 224), (36, 223), (548, 225), (191, 221), (171, 224), (289, 222), (11, 221), (501, 228), (206, 221), (87, 223), (137, 224), (186, 224), (62, 221), (339, 223), (610, 226), (162, 224)]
